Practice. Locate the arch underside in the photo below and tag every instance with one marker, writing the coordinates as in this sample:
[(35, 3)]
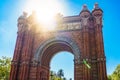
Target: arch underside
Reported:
[(54, 45), (49, 48), (52, 50)]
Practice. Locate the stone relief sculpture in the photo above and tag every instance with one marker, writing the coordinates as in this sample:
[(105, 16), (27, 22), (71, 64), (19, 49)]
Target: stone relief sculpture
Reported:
[(98, 17), (85, 17), (85, 14), (22, 21), (97, 14)]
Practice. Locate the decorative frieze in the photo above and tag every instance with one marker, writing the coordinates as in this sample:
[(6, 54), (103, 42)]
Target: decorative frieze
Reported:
[(69, 26)]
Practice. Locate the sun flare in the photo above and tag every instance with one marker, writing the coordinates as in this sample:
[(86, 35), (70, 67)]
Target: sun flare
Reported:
[(46, 11)]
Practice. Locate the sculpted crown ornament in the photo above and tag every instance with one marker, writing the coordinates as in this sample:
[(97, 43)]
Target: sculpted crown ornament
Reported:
[(97, 13), (85, 8), (22, 21), (96, 6), (23, 16), (85, 14)]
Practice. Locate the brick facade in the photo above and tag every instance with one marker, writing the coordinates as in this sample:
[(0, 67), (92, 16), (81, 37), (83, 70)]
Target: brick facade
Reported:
[(81, 35)]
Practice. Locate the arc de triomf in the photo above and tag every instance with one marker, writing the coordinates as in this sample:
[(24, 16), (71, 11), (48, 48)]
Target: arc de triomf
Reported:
[(80, 35)]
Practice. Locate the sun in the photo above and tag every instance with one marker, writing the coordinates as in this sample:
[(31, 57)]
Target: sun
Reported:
[(45, 11)]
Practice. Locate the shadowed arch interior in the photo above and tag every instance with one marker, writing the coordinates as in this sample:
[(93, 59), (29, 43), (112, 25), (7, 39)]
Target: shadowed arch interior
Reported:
[(52, 50), (51, 47), (56, 44)]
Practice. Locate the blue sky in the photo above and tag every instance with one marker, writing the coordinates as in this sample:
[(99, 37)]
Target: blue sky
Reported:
[(10, 10)]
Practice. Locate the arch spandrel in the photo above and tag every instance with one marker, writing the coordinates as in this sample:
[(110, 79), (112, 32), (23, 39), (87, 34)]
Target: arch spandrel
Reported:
[(58, 39)]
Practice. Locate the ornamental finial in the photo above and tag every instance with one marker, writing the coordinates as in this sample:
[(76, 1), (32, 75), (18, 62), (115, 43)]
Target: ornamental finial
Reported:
[(96, 6), (84, 7)]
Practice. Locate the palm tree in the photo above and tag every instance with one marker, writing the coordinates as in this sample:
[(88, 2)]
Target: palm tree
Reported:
[(64, 78), (60, 74)]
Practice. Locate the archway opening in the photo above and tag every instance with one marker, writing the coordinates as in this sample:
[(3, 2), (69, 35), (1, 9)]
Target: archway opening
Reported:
[(51, 48), (62, 60)]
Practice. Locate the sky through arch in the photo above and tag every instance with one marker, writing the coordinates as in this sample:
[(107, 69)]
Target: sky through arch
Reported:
[(62, 60)]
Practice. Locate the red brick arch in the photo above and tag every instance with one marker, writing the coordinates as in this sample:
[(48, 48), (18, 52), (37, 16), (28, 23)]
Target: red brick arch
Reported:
[(52, 50), (51, 47), (80, 34), (54, 45)]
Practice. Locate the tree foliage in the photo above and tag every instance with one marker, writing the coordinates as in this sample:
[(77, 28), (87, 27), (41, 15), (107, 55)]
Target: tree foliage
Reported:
[(53, 76), (60, 73), (5, 64), (116, 74), (57, 76)]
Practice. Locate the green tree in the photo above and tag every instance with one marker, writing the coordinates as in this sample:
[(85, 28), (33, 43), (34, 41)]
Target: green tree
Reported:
[(60, 73), (117, 71), (5, 63), (64, 78), (109, 77), (52, 75), (58, 76), (116, 74)]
